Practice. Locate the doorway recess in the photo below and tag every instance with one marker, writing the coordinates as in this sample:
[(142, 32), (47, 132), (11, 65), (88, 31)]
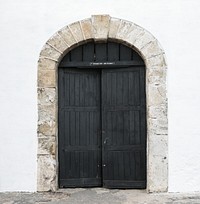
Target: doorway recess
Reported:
[(101, 29)]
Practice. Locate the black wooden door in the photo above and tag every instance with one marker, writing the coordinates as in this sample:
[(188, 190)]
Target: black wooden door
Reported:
[(102, 117), (123, 128), (79, 128)]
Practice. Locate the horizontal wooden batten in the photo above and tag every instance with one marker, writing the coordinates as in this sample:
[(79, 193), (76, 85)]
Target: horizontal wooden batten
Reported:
[(82, 148), (123, 108), (75, 108), (124, 184), (81, 182), (100, 64), (125, 148)]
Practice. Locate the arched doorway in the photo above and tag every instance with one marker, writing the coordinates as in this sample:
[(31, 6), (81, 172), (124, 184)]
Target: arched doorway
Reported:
[(102, 117), (103, 28)]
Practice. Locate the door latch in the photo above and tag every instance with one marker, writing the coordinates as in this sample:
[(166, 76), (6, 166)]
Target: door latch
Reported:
[(105, 141)]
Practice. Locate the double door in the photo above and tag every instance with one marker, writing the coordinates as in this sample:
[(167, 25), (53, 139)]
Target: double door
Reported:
[(102, 127)]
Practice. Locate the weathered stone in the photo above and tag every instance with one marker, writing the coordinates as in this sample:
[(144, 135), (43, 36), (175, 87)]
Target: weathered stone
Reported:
[(46, 113), (157, 173), (47, 128), (46, 145), (151, 49), (76, 31), (143, 40), (156, 61), (46, 78), (100, 27), (158, 145), (58, 42), (87, 29), (156, 95), (46, 173), (159, 111), (158, 126), (50, 52), (46, 96), (134, 33), (123, 30), (46, 64), (114, 26), (67, 36), (156, 75)]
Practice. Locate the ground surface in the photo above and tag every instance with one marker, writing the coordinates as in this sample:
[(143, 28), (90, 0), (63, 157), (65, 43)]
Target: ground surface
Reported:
[(98, 196)]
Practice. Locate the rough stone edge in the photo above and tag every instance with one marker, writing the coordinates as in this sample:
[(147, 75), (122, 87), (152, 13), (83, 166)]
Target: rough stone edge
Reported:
[(52, 53)]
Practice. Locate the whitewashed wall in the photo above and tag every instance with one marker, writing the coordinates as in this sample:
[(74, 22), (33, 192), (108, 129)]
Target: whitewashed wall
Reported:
[(25, 25)]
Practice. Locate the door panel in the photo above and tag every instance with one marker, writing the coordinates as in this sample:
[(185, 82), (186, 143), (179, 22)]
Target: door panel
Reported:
[(79, 128), (124, 128)]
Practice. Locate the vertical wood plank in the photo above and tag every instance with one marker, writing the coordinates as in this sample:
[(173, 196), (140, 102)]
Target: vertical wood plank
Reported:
[(101, 52)]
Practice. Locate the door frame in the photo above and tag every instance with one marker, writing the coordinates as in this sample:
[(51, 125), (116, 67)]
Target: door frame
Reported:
[(103, 28)]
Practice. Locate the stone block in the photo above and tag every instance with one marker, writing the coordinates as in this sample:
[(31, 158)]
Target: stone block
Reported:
[(76, 31), (46, 96), (46, 64), (156, 61), (123, 30), (143, 40), (46, 145), (46, 113), (67, 36), (47, 128), (58, 42), (100, 27), (156, 95), (157, 173), (152, 49), (158, 126), (156, 76), (46, 177), (87, 29), (114, 26), (158, 145), (159, 111), (134, 33), (50, 52), (46, 78)]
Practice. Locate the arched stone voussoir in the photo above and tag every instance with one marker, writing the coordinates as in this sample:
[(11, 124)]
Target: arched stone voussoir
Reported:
[(123, 29), (100, 27), (151, 49), (68, 36), (158, 61), (114, 26), (58, 43), (50, 52), (86, 26), (76, 31), (143, 39), (46, 64)]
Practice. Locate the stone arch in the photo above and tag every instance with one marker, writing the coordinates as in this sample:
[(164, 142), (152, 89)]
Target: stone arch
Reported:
[(102, 28)]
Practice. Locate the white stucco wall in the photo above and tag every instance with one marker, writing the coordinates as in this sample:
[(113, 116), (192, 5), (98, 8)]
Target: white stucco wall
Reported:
[(25, 25)]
